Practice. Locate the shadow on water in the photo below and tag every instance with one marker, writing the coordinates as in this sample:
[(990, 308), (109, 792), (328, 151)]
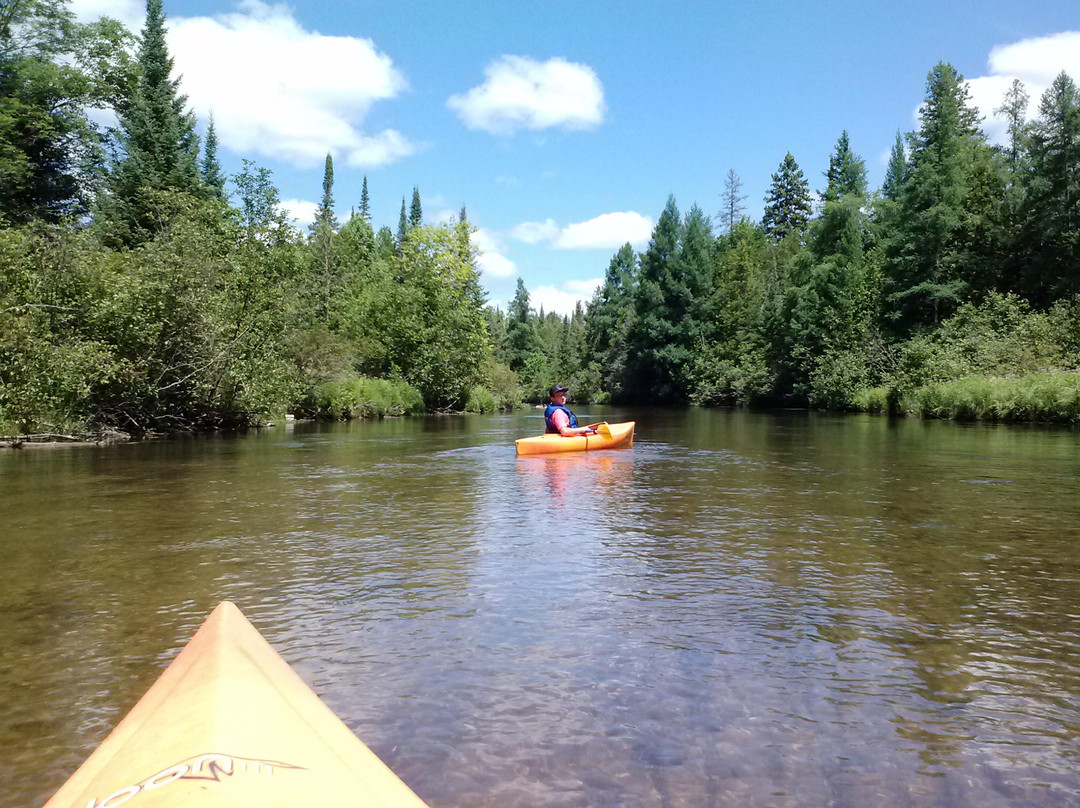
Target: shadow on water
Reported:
[(743, 609)]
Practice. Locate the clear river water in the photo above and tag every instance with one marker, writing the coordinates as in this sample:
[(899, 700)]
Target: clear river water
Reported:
[(744, 609)]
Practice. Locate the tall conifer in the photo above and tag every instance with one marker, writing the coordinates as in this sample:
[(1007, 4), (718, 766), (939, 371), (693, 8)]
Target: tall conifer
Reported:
[(787, 205), (158, 139)]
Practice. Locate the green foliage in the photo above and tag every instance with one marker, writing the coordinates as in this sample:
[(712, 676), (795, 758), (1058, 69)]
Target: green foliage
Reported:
[(52, 70), (1036, 397), (159, 144), (363, 397), (787, 204)]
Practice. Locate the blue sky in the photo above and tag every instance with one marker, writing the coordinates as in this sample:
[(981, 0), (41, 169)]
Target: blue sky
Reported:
[(564, 126)]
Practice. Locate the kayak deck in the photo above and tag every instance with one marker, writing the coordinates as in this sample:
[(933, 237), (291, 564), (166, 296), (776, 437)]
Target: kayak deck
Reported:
[(229, 723), (622, 436)]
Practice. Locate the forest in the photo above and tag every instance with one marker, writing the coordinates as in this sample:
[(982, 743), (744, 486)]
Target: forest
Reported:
[(142, 291)]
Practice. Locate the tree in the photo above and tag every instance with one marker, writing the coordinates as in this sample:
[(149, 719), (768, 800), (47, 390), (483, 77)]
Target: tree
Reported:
[(1014, 109), (434, 318), (160, 147), (365, 202), (787, 205), (896, 171), (403, 225), (847, 172), (669, 321), (940, 250), (1052, 232), (521, 338), (416, 212), (210, 168), (326, 271), (52, 70), (734, 208)]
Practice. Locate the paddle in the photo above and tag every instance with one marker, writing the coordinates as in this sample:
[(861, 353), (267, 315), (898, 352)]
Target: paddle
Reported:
[(603, 429)]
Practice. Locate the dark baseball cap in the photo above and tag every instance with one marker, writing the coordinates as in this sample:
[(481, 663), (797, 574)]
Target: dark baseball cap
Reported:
[(556, 388)]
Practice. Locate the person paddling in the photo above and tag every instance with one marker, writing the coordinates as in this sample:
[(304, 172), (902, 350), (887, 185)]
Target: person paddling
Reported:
[(559, 419)]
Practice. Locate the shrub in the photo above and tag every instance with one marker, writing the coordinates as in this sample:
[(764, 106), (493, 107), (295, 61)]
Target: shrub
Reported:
[(363, 397)]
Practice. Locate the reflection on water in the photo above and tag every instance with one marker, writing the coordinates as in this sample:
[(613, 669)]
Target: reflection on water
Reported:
[(741, 610)]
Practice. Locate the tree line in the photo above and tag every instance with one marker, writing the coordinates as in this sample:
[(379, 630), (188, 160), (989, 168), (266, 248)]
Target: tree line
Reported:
[(953, 290), (143, 290)]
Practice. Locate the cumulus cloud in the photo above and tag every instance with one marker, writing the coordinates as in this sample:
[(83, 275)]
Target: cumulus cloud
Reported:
[(300, 211), (491, 259), (607, 231), (265, 79), (1036, 62), (522, 93), (132, 13), (563, 298)]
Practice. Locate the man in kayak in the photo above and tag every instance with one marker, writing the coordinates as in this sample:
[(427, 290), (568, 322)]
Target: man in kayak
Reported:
[(559, 419)]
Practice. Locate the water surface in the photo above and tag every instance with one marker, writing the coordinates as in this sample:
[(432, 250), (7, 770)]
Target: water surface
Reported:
[(744, 609)]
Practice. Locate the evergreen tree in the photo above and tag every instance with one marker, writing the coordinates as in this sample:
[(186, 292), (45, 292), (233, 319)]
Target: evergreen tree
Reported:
[(210, 168), (403, 224), (787, 205), (521, 337), (365, 202), (652, 367), (1014, 109), (896, 171), (158, 139), (416, 212), (733, 201), (941, 249), (1052, 237), (327, 277), (847, 172)]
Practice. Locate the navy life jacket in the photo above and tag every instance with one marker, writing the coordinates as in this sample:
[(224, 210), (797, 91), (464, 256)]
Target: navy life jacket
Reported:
[(551, 424)]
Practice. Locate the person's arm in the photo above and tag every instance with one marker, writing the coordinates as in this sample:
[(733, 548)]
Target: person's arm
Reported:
[(562, 423)]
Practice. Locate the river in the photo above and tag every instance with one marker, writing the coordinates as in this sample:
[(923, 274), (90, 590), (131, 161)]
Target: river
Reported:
[(781, 609)]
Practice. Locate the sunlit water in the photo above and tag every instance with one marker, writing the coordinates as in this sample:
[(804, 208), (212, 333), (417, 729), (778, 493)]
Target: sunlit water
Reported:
[(743, 609)]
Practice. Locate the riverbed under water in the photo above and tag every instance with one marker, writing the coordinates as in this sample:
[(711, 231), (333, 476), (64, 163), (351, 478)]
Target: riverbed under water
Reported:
[(782, 609)]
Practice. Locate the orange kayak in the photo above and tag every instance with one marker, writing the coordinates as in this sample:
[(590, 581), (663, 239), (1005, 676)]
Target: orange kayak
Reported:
[(229, 723), (620, 436)]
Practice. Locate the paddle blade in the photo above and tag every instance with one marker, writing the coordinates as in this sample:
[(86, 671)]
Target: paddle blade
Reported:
[(604, 430)]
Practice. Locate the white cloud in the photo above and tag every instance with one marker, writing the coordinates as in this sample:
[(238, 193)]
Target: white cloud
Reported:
[(132, 13), (563, 298), (610, 230), (522, 93), (265, 79), (300, 211), (535, 232), (1036, 62), (606, 231), (491, 259)]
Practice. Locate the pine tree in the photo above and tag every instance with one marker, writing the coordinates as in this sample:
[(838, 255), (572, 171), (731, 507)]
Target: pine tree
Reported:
[(787, 205), (210, 167), (847, 172), (733, 201), (159, 142), (416, 213), (1014, 109), (941, 250), (327, 276), (521, 337), (1052, 237), (365, 202), (896, 171), (403, 224)]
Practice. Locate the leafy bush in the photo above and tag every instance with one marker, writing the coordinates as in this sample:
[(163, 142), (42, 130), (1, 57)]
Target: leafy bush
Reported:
[(481, 400), (1038, 397), (362, 397)]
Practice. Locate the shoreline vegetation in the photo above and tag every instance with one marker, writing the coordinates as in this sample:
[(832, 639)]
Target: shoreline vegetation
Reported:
[(142, 292)]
